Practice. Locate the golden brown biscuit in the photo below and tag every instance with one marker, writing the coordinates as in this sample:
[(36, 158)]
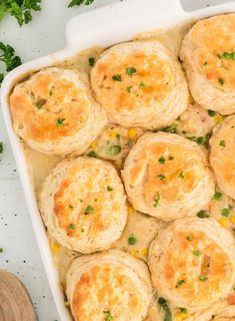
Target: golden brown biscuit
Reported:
[(167, 176), (192, 263), (54, 112), (108, 286), (208, 55), (83, 204), (222, 156), (140, 84)]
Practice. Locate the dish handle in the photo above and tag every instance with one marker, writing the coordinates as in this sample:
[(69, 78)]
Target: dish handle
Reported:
[(119, 22)]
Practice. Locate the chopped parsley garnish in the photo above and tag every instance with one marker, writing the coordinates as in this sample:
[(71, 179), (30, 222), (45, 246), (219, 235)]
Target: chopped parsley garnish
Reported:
[(131, 71), (221, 81), (163, 303), (71, 206), (74, 3), (162, 160), (162, 177), (179, 283), (189, 237), (203, 214), (181, 175), (157, 201), (206, 63), (183, 310), (1, 250), (114, 150), (108, 315), (117, 78), (222, 143), (132, 240), (109, 189), (60, 122), (142, 84), (40, 103), (50, 92), (72, 226), (91, 61), (170, 157), (197, 253), (227, 55), (202, 278), (170, 129), (129, 89), (211, 113), (1, 147), (225, 212), (92, 154), (201, 140), (218, 196), (89, 210)]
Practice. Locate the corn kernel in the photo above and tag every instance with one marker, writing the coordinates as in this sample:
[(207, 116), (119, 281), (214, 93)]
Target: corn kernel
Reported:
[(218, 119), (191, 99), (130, 210), (232, 219), (144, 252), (132, 133), (224, 222), (112, 134), (133, 253), (94, 145), (180, 316), (55, 247)]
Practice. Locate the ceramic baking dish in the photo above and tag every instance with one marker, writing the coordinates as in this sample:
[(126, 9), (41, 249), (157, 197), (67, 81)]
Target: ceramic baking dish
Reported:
[(103, 27)]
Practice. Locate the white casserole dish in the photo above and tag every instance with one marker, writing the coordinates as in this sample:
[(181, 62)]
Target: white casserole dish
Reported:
[(103, 27)]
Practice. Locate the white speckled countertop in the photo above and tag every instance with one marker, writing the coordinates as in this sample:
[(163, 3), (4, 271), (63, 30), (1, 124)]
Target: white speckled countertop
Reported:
[(20, 254)]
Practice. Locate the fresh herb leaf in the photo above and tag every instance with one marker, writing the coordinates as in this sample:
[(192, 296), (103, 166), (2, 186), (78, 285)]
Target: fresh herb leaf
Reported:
[(131, 71), (162, 160), (117, 78), (21, 10), (189, 237), (170, 129), (222, 143), (202, 278), (109, 189), (181, 175), (129, 89), (183, 310), (221, 81), (211, 113), (132, 240), (89, 210), (74, 3), (1, 147), (71, 226), (8, 57), (142, 84), (108, 315), (91, 61), (218, 196), (60, 122), (157, 201), (114, 150), (162, 177), (203, 214), (40, 103), (179, 283), (92, 153), (163, 303), (197, 253)]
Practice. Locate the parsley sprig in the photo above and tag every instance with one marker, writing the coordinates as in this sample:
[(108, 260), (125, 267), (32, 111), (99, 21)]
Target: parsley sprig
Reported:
[(8, 57), (20, 9), (74, 3)]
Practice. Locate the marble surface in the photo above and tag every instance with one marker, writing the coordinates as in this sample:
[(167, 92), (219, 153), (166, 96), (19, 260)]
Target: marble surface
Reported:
[(20, 254)]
